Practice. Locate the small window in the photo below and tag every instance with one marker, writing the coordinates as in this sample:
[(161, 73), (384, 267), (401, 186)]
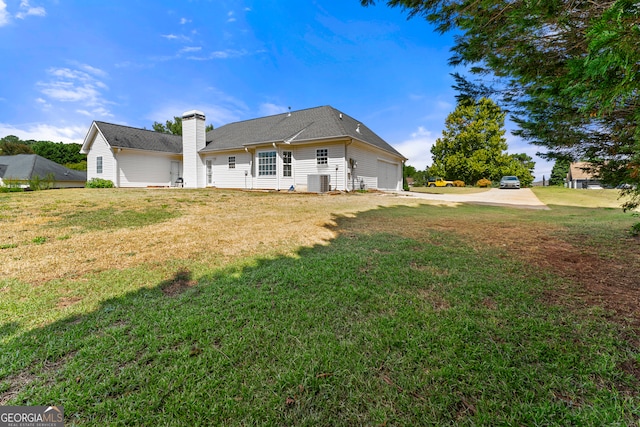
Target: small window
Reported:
[(267, 163), (322, 156), (99, 164), (232, 162), (286, 163)]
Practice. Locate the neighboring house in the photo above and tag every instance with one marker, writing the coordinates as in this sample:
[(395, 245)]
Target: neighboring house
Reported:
[(581, 176), (20, 169), (316, 149)]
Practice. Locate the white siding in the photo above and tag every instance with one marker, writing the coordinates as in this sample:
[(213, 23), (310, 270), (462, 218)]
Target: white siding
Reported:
[(223, 177), (375, 169), (100, 148), (145, 169), (305, 164), (364, 175)]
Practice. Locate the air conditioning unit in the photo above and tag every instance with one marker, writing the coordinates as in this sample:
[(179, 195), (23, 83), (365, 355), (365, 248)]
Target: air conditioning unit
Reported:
[(318, 183)]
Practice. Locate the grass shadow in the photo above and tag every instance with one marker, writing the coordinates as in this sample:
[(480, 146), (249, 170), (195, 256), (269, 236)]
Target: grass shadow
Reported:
[(373, 328)]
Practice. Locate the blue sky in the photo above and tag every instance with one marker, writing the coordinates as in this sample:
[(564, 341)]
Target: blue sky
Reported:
[(69, 62)]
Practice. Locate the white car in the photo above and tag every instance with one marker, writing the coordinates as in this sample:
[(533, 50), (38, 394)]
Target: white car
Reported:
[(510, 182)]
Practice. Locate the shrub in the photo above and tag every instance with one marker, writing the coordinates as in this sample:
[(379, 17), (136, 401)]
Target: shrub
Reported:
[(37, 183), (11, 186), (458, 183), (484, 182), (99, 183)]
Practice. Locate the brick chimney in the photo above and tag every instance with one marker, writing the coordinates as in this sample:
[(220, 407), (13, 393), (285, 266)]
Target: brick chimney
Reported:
[(193, 140)]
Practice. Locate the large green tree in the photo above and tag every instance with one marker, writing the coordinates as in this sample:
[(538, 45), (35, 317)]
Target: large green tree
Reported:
[(174, 126), (473, 146), (567, 70), (11, 145), (59, 152), (559, 172)]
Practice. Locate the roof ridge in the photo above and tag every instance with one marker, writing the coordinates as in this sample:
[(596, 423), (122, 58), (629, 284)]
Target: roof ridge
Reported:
[(275, 115), (34, 159), (135, 128)]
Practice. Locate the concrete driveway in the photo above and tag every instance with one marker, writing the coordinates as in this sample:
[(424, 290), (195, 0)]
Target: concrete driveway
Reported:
[(522, 198)]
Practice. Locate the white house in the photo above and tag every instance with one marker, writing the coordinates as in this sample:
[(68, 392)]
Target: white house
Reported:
[(24, 169), (582, 175), (315, 149)]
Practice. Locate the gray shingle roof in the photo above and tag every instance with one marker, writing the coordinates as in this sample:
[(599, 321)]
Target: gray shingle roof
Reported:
[(141, 139), (24, 167), (298, 126)]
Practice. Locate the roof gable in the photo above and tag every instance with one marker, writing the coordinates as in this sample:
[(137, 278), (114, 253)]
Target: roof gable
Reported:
[(581, 170), (118, 136)]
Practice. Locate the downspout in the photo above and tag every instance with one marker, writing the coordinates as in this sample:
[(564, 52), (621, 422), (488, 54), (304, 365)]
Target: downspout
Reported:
[(250, 171), (117, 166), (278, 162)]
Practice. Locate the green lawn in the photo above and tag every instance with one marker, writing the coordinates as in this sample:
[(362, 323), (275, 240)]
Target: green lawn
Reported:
[(396, 321)]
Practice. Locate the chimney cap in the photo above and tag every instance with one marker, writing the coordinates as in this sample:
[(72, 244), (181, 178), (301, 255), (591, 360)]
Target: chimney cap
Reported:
[(193, 114)]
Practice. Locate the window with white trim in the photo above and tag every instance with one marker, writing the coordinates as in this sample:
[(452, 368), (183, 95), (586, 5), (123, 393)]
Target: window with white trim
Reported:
[(286, 163), (99, 164), (267, 163), (322, 156), (232, 162)]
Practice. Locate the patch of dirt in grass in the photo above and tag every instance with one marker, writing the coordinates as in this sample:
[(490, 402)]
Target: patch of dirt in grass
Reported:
[(22, 380), (632, 367), (613, 284), (434, 298), (16, 383), (67, 301), (179, 283)]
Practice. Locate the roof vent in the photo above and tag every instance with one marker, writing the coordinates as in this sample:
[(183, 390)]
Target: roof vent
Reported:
[(289, 115), (340, 116), (358, 128)]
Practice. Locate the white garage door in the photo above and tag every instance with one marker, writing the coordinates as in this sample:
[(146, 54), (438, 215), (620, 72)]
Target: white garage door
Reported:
[(387, 175)]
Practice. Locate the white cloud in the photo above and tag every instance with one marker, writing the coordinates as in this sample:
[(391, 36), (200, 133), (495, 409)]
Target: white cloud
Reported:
[(4, 15), (46, 132), (269, 109), (220, 54), (96, 112), (44, 104), (93, 70), (417, 148), (27, 10), (176, 37), (190, 49), (184, 21), (77, 87)]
